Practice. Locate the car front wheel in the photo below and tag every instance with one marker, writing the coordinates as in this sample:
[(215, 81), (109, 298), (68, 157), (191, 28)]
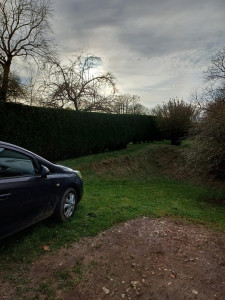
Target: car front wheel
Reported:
[(66, 206)]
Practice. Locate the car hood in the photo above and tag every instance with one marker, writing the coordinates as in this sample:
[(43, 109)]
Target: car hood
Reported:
[(69, 170), (65, 169)]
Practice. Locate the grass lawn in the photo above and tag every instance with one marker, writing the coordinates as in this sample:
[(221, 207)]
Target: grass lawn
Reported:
[(109, 199)]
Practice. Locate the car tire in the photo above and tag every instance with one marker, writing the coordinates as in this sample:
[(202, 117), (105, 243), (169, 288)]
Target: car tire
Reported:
[(66, 206)]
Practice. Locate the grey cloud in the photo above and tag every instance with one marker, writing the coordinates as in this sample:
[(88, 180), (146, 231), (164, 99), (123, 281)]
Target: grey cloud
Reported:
[(144, 40)]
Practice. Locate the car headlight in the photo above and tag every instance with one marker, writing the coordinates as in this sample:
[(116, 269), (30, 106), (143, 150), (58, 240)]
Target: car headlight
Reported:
[(78, 173)]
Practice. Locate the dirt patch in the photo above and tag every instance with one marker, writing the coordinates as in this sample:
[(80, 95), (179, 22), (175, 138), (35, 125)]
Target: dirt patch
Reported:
[(144, 259)]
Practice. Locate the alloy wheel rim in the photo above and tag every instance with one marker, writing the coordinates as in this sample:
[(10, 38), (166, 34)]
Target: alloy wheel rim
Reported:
[(69, 205)]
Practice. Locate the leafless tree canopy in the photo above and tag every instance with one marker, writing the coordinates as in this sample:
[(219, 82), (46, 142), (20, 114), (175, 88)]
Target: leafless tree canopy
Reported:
[(80, 85), (77, 83), (24, 31), (217, 69), (214, 85), (127, 104)]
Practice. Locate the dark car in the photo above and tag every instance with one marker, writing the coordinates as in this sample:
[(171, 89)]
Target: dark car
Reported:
[(32, 189)]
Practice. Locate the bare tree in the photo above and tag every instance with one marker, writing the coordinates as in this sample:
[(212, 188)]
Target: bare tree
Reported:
[(140, 109), (77, 83), (213, 88), (127, 104), (32, 84), (120, 103), (24, 32), (217, 69)]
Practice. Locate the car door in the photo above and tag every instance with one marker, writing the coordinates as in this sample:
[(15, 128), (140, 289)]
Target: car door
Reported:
[(25, 196)]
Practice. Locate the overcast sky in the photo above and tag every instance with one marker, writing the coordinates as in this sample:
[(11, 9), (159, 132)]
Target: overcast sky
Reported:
[(157, 49)]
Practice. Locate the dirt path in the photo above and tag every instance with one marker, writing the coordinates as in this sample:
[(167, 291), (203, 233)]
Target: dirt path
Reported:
[(143, 259)]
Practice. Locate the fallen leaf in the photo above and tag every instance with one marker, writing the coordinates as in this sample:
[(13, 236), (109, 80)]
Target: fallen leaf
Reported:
[(45, 248)]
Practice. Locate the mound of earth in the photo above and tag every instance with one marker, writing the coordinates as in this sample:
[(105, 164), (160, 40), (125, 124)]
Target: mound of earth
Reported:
[(162, 160), (144, 259)]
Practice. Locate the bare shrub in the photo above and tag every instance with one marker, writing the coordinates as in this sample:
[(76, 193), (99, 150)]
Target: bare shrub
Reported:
[(207, 150), (174, 119)]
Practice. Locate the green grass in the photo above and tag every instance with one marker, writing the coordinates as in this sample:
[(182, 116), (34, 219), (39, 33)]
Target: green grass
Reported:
[(110, 199)]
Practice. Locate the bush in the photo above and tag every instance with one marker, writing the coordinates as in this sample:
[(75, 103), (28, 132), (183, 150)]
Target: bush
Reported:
[(207, 150), (57, 134), (174, 119)]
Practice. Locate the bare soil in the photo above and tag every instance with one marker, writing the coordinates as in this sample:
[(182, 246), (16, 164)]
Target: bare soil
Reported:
[(143, 259)]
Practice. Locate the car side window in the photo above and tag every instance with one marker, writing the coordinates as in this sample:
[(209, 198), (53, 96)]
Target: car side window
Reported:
[(13, 163)]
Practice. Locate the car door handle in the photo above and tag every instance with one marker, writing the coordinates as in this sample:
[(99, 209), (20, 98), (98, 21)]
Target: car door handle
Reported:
[(4, 196)]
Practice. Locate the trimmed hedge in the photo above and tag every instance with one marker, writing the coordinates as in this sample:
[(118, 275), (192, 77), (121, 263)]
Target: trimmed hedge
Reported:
[(58, 134)]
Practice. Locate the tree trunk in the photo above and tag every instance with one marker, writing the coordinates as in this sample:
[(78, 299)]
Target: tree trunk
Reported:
[(5, 82), (75, 104)]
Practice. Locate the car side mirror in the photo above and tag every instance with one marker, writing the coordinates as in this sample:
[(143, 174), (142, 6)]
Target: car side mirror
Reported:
[(44, 172)]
